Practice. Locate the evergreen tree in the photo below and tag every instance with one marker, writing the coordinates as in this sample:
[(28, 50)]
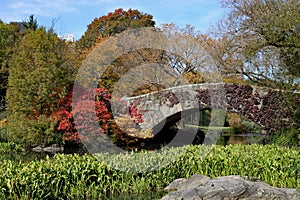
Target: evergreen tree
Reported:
[(38, 75), (31, 24), (9, 34)]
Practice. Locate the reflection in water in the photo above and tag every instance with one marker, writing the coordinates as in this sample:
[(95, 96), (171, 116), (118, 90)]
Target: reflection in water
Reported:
[(26, 156), (147, 196)]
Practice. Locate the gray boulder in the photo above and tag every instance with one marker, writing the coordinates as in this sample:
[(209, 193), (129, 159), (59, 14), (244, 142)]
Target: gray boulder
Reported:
[(55, 148), (226, 188)]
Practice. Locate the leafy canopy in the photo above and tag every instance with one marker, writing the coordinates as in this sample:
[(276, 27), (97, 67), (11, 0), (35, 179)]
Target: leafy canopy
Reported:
[(265, 36), (114, 23)]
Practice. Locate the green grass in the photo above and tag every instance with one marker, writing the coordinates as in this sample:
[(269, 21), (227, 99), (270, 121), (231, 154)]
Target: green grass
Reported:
[(86, 177)]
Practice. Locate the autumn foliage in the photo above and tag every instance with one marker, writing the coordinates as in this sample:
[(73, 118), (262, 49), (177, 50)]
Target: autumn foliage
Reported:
[(90, 115), (113, 23)]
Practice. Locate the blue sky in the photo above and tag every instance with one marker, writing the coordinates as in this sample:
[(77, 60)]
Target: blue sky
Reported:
[(73, 16)]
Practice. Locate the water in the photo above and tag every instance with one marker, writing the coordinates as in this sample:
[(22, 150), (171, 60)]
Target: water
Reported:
[(147, 196), (247, 138)]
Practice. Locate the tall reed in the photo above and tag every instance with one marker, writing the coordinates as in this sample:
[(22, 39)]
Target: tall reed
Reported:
[(89, 177)]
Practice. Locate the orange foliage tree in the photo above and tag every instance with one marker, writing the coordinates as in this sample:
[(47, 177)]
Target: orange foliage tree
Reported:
[(113, 23)]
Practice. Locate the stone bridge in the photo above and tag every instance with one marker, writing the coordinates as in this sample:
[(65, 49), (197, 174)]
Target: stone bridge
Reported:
[(270, 109)]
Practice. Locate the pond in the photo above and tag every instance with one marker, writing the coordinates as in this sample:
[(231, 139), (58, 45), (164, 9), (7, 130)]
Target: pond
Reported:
[(146, 196), (225, 139), (246, 138), (26, 156)]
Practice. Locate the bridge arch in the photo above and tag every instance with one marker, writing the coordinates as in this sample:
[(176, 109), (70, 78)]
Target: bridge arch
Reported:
[(166, 133)]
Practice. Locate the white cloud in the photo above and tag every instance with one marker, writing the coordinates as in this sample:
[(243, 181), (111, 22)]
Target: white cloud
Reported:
[(42, 8), (55, 8)]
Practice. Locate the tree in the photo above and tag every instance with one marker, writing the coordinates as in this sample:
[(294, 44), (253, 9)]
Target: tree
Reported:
[(30, 24), (106, 26), (113, 23), (224, 59), (147, 73), (176, 56), (92, 119), (93, 127), (263, 36), (190, 53), (9, 35), (39, 74)]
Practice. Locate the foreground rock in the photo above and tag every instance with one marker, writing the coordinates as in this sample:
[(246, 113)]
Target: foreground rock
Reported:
[(51, 149), (228, 188)]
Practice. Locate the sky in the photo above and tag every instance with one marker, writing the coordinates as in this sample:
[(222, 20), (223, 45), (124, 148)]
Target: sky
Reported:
[(73, 16)]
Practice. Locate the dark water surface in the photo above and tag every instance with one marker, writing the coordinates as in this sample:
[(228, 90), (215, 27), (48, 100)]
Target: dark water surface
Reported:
[(26, 156), (147, 196)]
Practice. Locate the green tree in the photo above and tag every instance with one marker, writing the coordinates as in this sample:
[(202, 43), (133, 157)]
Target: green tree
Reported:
[(39, 75), (264, 35), (30, 24), (9, 35)]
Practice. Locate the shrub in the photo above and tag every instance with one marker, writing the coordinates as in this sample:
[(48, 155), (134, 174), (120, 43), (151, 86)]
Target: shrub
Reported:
[(285, 137), (250, 127), (297, 118), (4, 136)]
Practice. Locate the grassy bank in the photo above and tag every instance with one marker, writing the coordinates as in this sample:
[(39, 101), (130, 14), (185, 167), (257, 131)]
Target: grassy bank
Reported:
[(85, 177)]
